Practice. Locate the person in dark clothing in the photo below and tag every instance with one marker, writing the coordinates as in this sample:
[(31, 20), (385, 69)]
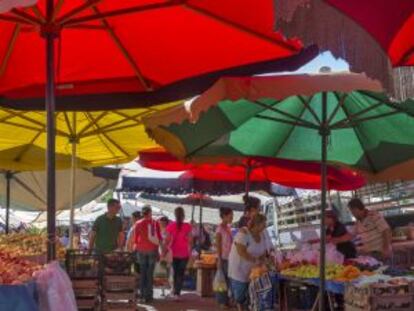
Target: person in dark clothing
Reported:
[(336, 233)]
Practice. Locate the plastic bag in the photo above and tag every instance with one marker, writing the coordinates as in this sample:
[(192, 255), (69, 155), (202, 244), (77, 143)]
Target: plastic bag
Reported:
[(219, 283), (55, 289)]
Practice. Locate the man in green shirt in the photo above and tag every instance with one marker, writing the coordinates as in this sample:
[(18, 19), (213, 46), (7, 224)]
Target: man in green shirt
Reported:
[(107, 234)]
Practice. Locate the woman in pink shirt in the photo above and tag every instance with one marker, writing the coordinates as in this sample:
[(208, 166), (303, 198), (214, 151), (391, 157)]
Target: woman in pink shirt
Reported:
[(179, 240)]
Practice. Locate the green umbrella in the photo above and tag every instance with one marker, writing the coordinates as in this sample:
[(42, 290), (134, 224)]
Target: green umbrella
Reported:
[(332, 121)]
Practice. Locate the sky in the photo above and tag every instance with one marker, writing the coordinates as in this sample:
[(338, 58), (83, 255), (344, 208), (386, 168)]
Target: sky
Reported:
[(324, 59)]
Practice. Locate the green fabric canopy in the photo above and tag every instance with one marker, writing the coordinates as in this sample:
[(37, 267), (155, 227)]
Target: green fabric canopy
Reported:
[(367, 131)]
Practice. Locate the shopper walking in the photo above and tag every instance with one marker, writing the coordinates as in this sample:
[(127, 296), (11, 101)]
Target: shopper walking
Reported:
[(147, 240), (179, 238)]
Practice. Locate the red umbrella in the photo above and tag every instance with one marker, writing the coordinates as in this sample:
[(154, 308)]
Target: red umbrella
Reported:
[(137, 52), (289, 173), (371, 34), (102, 54)]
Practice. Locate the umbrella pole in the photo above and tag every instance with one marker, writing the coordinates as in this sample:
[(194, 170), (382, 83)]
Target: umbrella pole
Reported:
[(50, 36), (324, 132), (247, 178), (200, 229), (9, 176), (72, 182)]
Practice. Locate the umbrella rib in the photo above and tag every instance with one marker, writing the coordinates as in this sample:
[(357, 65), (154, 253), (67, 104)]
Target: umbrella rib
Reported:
[(27, 147), (123, 127), (306, 103), (14, 19), (38, 13), (256, 34), (92, 123), (108, 128), (340, 104), (109, 138), (361, 120), (10, 47), (124, 51), (355, 120), (312, 126), (366, 155), (67, 121), (35, 122), (57, 9), (288, 135), (283, 113), (27, 17), (28, 189), (130, 10), (76, 11)]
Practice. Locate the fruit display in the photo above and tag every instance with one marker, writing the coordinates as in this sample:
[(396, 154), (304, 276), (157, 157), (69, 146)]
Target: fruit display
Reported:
[(28, 245), (15, 271), (208, 259), (334, 272)]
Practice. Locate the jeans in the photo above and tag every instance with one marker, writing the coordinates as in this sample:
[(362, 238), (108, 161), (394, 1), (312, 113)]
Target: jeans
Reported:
[(146, 266), (240, 291), (179, 265)]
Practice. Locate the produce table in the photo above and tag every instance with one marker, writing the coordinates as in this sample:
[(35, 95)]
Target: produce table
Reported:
[(19, 297)]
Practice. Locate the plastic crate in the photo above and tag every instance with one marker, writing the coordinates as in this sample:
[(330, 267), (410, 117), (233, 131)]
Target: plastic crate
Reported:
[(87, 303), (301, 297), (118, 263), (82, 264)]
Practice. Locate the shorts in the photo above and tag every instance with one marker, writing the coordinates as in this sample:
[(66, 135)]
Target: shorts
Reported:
[(239, 291)]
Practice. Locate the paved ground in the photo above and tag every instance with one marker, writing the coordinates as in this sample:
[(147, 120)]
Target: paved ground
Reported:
[(190, 302)]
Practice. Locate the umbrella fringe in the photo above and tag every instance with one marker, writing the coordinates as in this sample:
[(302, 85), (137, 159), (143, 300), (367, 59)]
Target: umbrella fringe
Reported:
[(315, 21)]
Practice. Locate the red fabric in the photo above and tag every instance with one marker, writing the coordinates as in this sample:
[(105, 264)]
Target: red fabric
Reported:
[(181, 40), (142, 243), (291, 173), (391, 23)]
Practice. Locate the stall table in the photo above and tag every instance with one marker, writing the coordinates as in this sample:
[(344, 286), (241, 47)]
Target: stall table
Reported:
[(19, 297), (205, 277)]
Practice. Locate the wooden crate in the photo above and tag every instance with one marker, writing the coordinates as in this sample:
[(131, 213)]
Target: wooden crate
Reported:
[(120, 283), (119, 307), (86, 288), (205, 277), (87, 303), (379, 297), (119, 296)]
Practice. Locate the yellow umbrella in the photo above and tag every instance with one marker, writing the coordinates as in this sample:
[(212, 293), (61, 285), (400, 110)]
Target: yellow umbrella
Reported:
[(83, 139), (99, 137)]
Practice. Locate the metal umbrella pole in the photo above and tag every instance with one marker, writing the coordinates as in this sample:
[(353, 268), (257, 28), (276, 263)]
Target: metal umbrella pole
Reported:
[(73, 141), (49, 33), (9, 177), (324, 132), (200, 227)]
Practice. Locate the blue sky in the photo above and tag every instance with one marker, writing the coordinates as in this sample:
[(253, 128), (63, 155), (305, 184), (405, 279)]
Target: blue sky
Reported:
[(324, 59)]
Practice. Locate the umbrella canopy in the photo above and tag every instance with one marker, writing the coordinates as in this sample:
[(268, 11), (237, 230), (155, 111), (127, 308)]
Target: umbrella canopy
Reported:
[(250, 118), (372, 35), (28, 191), (285, 172), (142, 52), (101, 137)]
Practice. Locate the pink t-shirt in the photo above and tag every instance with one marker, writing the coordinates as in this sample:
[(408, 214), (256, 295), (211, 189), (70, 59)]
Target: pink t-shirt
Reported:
[(226, 240), (180, 239)]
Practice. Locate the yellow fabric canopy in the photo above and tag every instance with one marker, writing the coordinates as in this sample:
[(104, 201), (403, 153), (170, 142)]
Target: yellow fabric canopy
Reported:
[(101, 137)]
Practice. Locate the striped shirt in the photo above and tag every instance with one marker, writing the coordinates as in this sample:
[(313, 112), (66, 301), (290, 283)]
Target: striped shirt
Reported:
[(369, 233)]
